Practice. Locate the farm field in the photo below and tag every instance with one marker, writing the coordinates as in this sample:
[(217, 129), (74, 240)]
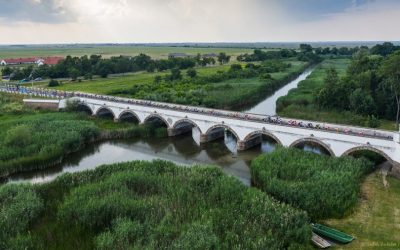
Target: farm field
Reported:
[(109, 51)]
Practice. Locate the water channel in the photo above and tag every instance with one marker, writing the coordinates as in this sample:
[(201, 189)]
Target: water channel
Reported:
[(184, 150)]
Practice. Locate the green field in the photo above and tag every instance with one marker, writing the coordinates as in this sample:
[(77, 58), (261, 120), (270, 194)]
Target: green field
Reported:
[(299, 102), (109, 51)]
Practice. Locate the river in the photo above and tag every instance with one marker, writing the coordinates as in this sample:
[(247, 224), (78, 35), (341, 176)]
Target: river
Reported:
[(184, 150)]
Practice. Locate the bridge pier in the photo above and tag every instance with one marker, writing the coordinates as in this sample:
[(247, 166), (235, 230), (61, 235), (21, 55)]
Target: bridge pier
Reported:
[(244, 145), (180, 130), (395, 170), (213, 135)]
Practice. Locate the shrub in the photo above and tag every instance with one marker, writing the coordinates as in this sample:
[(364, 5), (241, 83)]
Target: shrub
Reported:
[(54, 83), (19, 136), (321, 185), (192, 73)]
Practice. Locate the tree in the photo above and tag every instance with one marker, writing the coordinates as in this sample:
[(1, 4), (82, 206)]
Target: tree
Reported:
[(305, 48), (175, 75), (73, 73), (331, 78), (236, 67), (384, 49), (6, 71), (157, 79), (192, 73), (391, 74), (361, 102), (223, 58)]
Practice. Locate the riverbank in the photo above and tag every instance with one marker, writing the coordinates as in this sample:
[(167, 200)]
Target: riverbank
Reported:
[(376, 217), (300, 102), (34, 140), (93, 132)]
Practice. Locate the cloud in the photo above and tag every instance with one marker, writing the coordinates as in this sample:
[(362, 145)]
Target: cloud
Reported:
[(42, 11), (72, 21)]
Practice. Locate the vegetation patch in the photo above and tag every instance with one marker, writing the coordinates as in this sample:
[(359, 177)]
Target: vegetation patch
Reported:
[(158, 205), (322, 186), (19, 207), (33, 139), (376, 216)]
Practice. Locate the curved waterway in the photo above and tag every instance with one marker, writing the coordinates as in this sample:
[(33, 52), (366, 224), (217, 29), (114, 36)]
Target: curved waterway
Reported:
[(183, 150), (268, 106)]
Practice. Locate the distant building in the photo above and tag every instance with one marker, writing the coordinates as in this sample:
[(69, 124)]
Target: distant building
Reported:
[(31, 60), (18, 61), (178, 55), (50, 60)]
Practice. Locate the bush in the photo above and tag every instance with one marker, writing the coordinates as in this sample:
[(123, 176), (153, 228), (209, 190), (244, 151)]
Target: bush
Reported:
[(19, 136), (53, 83), (192, 73), (322, 186)]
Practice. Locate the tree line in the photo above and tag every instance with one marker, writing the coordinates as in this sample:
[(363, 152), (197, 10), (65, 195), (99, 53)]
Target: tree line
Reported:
[(371, 86), (87, 66), (307, 52)]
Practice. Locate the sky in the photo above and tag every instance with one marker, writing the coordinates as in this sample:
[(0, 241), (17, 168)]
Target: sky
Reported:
[(158, 21)]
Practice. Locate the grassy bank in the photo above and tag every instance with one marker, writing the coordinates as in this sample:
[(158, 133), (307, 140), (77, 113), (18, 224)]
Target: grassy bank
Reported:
[(299, 103), (376, 218), (153, 205)]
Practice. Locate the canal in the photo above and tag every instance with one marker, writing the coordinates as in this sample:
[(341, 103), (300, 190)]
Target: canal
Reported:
[(184, 150)]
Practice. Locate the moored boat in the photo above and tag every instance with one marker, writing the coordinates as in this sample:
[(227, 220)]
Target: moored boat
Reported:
[(332, 233)]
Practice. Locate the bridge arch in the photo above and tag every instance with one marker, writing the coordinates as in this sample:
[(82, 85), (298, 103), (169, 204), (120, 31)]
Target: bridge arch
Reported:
[(225, 127), (156, 116), (83, 107), (368, 148), (183, 121), (263, 132), (315, 141), (104, 110), (129, 114)]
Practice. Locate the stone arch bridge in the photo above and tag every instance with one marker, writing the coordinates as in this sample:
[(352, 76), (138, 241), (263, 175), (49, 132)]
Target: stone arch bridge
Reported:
[(338, 140)]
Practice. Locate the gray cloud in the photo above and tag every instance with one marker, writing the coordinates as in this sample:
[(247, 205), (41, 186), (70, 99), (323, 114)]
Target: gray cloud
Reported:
[(41, 11)]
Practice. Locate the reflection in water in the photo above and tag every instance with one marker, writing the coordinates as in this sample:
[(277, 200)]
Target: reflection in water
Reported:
[(314, 148)]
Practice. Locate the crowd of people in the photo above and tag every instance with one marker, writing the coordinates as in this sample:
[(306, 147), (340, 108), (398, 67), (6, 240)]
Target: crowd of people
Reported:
[(221, 113)]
